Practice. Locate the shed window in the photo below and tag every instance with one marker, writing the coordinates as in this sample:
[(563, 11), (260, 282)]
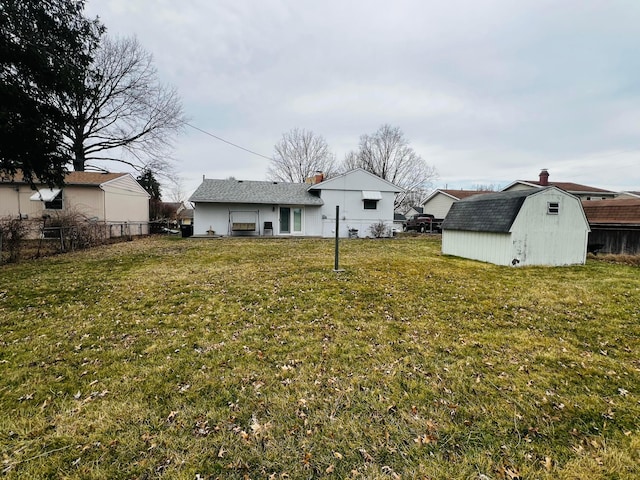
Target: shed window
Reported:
[(553, 208)]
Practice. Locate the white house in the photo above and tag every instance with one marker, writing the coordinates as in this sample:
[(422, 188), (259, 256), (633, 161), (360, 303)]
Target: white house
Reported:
[(541, 226), (242, 207), (439, 202)]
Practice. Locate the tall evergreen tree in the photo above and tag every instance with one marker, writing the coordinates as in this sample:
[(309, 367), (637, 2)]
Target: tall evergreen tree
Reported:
[(45, 46)]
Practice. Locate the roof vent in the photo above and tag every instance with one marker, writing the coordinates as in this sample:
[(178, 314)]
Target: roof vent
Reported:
[(240, 181), (275, 183)]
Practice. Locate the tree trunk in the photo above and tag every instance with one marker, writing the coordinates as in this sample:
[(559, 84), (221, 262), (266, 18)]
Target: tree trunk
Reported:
[(79, 157)]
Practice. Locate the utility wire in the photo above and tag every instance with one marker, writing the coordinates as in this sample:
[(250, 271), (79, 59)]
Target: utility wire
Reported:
[(227, 141)]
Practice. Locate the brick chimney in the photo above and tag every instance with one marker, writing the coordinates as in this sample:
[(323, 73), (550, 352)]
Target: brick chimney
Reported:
[(317, 178), (544, 178)]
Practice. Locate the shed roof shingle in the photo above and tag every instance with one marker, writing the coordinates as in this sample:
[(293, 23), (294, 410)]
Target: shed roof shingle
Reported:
[(249, 191), (492, 212)]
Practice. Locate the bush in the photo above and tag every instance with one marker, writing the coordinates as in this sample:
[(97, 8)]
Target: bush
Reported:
[(379, 230), (74, 231), (12, 234)]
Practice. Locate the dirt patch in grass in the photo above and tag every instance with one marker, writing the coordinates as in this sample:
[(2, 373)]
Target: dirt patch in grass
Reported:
[(633, 260)]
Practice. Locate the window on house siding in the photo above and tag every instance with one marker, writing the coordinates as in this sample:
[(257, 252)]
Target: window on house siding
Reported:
[(55, 203), (370, 204), (553, 208)]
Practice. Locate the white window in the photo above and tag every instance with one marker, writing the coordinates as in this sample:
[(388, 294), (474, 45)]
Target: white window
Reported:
[(370, 199)]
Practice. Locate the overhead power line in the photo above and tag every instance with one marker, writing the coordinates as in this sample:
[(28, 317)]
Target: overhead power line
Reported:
[(227, 141)]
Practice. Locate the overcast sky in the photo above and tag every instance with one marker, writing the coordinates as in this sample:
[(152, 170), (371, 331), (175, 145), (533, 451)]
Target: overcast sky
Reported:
[(487, 91)]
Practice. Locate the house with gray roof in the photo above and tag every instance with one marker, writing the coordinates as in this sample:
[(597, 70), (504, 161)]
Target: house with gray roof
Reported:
[(542, 226), (253, 208)]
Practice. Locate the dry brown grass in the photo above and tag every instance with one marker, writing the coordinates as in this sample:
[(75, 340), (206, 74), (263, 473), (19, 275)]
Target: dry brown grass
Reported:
[(236, 358)]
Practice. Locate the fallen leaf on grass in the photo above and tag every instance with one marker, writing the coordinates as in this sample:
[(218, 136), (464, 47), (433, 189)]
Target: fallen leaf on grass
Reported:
[(258, 428), (366, 455), (511, 473), (172, 416), (425, 439)]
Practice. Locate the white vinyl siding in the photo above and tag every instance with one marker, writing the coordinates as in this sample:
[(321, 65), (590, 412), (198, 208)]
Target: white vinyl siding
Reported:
[(438, 205)]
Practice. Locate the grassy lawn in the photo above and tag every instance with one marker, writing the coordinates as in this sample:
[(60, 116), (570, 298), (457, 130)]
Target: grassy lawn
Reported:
[(235, 358)]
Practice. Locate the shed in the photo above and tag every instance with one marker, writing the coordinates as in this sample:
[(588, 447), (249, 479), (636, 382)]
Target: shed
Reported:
[(544, 226)]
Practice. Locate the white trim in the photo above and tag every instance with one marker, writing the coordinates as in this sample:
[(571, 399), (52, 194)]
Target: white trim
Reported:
[(371, 195)]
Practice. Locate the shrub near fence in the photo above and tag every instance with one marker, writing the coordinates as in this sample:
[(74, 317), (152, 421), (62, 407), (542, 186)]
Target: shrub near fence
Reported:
[(23, 239), (12, 235)]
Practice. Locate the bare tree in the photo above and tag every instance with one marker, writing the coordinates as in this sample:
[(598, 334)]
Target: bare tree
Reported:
[(411, 198), (387, 154), (299, 155), (122, 109)]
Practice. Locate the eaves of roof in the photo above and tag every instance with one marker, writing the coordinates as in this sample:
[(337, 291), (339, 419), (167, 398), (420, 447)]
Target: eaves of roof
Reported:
[(255, 192)]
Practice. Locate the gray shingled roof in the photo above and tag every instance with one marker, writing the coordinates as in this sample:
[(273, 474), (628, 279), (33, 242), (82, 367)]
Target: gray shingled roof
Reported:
[(249, 191), (490, 212)]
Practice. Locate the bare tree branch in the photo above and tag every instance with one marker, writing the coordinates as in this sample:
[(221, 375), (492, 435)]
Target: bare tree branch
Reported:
[(122, 108), (388, 155), (299, 155)]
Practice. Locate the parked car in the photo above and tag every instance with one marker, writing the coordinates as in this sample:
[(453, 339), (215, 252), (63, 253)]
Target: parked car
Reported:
[(422, 222)]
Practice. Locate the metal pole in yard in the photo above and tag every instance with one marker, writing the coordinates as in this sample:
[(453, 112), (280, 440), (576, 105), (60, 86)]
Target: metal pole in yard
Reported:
[(337, 255)]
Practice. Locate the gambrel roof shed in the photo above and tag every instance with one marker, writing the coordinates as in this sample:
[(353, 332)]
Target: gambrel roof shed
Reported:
[(544, 226)]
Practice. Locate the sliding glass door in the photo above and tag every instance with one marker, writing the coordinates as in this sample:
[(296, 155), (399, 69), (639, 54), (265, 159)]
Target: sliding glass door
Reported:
[(285, 220), (291, 220)]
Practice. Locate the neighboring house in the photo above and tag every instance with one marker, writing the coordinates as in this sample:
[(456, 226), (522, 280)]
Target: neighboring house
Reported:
[(440, 201), (240, 207), (172, 213), (415, 210), (615, 225), (185, 216), (115, 199), (584, 192), (542, 226)]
